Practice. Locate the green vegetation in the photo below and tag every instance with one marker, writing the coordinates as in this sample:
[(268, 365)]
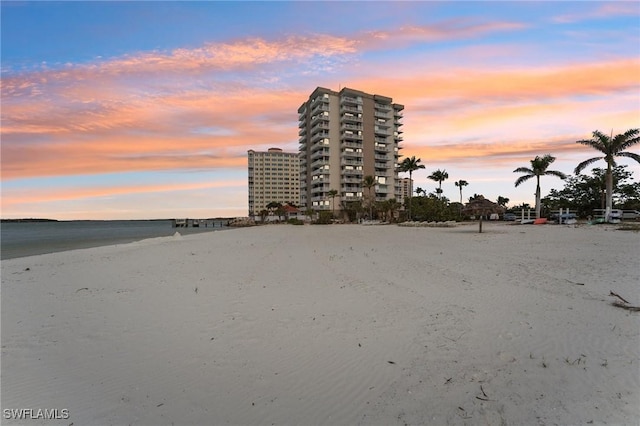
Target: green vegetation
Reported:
[(539, 166), (324, 218), (460, 184), (611, 147), (439, 176), (432, 208), (410, 165), (584, 193), (369, 182)]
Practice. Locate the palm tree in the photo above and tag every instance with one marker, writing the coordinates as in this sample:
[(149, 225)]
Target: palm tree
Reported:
[(461, 183), (502, 201), (369, 182), (410, 165), (420, 191), (332, 193), (611, 147), (439, 176), (273, 206), (539, 166), (392, 206)]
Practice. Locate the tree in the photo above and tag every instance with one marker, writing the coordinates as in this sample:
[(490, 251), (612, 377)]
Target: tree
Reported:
[(281, 211), (439, 176), (392, 206), (502, 201), (309, 212), (276, 207), (611, 147), (369, 182), (263, 214), (420, 191), (432, 208), (410, 165), (539, 166), (460, 184), (584, 193), (333, 193)]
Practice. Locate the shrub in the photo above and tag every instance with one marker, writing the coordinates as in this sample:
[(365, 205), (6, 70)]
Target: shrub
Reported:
[(324, 218), (294, 221)]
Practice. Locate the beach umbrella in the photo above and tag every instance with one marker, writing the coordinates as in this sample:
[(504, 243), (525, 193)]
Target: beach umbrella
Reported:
[(481, 206)]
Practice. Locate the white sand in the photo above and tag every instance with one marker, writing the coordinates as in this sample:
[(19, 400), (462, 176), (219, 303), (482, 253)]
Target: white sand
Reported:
[(335, 325)]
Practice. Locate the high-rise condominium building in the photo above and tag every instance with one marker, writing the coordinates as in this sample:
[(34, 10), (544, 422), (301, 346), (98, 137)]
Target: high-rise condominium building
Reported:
[(273, 176), (406, 186), (345, 136)]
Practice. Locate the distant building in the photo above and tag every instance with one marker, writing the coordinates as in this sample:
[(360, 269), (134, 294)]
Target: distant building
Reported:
[(273, 176), (405, 189), (345, 136)]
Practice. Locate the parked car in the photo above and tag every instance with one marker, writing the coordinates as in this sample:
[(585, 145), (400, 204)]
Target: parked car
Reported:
[(509, 216), (630, 214)]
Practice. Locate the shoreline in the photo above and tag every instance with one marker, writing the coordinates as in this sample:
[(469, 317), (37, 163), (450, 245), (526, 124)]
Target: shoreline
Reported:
[(336, 325), (18, 249)]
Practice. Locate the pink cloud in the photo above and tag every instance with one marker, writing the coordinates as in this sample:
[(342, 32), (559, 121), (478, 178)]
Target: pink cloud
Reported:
[(81, 193), (606, 10)]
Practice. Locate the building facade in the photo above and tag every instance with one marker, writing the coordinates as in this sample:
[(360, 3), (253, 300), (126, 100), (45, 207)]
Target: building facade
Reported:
[(273, 176), (343, 137), (406, 186)]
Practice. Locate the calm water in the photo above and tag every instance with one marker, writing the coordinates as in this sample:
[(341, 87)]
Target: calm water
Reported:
[(30, 238)]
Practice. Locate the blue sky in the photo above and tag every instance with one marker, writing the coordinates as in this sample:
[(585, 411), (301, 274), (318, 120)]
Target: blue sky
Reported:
[(116, 110)]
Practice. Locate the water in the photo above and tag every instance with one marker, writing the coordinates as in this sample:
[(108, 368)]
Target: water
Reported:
[(18, 239)]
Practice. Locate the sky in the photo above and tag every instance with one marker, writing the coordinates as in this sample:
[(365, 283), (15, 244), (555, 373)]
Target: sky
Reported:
[(145, 110)]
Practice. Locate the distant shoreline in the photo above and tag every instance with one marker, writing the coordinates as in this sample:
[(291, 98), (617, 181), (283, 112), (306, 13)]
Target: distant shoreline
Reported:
[(31, 237), (27, 220)]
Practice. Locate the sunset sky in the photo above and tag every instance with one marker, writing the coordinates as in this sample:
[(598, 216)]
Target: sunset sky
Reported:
[(136, 110)]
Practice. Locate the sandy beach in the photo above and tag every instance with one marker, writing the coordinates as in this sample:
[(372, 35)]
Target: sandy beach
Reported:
[(329, 325)]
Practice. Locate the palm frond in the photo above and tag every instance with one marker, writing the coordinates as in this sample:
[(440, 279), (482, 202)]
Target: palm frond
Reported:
[(524, 170), (629, 138), (599, 142), (580, 167), (523, 179), (632, 155), (556, 173)]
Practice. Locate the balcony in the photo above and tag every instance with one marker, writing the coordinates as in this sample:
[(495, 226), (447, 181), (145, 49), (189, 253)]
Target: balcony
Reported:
[(382, 131), (347, 108), (381, 157), (319, 117), (348, 100), (319, 135), (320, 162), (320, 186), (347, 144), (383, 107), (302, 131), (318, 198), (379, 165), (352, 173), (352, 127), (321, 153), (320, 125), (352, 155), (381, 114), (349, 162), (319, 108), (352, 136)]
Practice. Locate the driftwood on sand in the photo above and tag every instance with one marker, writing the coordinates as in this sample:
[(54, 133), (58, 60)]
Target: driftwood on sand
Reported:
[(623, 303)]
